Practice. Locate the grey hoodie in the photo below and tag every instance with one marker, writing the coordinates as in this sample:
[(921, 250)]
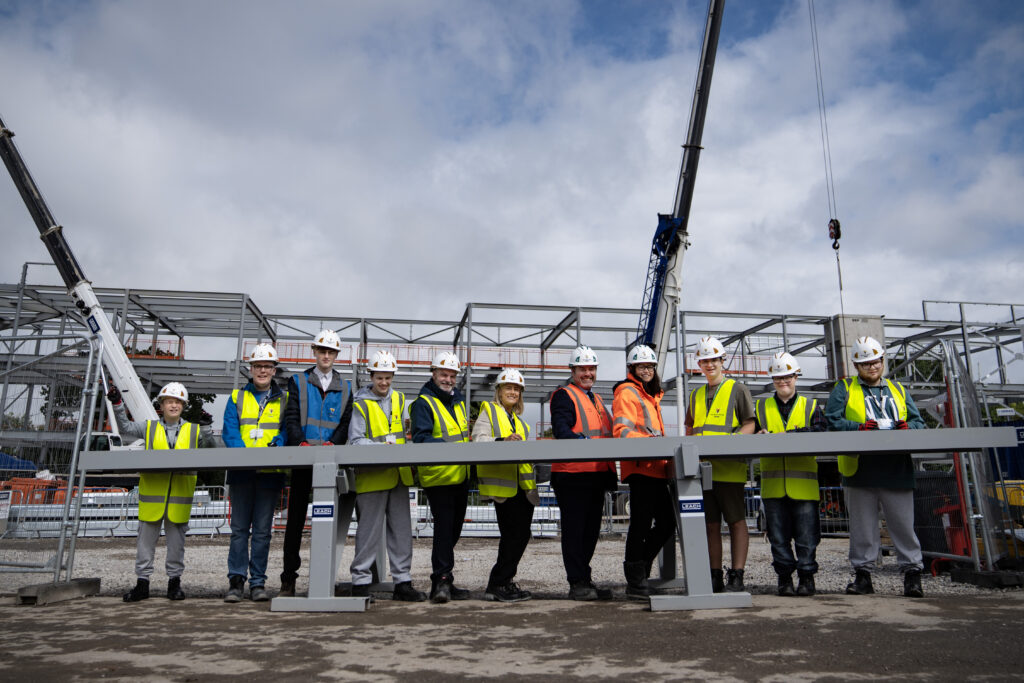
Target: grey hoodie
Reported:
[(357, 426)]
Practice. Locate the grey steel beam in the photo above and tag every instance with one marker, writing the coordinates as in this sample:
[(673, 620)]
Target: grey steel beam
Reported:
[(559, 329)]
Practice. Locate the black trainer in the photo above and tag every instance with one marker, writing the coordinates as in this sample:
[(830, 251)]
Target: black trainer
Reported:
[(140, 592), (912, 584), (404, 592), (786, 586), (174, 591), (805, 589), (510, 592), (861, 584), (582, 590)]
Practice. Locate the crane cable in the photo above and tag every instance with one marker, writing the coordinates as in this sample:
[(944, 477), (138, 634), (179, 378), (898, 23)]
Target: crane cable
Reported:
[(834, 231)]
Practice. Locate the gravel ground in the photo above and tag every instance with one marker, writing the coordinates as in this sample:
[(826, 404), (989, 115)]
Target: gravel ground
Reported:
[(541, 570)]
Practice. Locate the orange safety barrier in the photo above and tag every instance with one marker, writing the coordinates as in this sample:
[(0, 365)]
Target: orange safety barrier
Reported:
[(29, 490), (60, 494)]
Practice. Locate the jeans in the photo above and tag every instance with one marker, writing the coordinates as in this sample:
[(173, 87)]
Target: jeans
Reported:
[(796, 521), (252, 506)]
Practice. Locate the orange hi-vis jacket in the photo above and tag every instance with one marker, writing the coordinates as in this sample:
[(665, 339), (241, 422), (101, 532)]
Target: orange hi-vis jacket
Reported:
[(594, 422), (637, 416)]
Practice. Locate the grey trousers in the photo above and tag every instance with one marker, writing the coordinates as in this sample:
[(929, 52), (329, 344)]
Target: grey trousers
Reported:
[(898, 507), (374, 508), (145, 547)]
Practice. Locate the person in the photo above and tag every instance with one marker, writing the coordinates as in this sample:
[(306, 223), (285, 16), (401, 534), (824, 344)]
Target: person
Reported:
[(577, 412), (722, 406), (636, 410), (252, 419), (165, 498), (438, 415), (382, 493), (512, 487), (317, 413), (870, 402), (789, 483)]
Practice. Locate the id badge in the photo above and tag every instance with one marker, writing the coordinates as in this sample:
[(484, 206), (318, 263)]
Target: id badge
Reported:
[(390, 438), (884, 423), (258, 433)]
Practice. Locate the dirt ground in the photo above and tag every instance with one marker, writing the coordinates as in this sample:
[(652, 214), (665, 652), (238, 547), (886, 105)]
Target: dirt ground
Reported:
[(832, 636)]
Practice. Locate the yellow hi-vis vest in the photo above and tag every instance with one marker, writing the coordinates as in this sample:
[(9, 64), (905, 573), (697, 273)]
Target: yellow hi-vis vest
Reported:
[(450, 429), (250, 419), (378, 427), (169, 492), (503, 479), (856, 411), (795, 476), (719, 421)]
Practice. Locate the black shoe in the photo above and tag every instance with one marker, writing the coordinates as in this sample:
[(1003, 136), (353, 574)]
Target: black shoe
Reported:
[(287, 588), (361, 591), (861, 584), (717, 582), (236, 586), (140, 592), (258, 594), (805, 588), (440, 591), (510, 592), (735, 583), (637, 587), (404, 592), (786, 585), (458, 593), (174, 591), (912, 584), (582, 590), (602, 593)]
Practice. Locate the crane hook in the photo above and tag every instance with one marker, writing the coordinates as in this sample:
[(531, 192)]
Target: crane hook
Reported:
[(834, 232)]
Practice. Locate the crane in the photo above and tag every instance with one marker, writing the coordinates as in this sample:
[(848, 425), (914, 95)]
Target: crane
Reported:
[(120, 369), (663, 288)]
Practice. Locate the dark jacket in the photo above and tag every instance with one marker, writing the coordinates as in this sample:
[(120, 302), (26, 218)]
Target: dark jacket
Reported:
[(294, 432), (422, 417)]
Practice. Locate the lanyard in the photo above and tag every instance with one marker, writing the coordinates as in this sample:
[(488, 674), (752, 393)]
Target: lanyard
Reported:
[(878, 403)]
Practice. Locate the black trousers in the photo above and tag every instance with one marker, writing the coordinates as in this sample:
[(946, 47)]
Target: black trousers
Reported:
[(448, 508), (298, 503), (515, 515), (652, 517), (580, 499)]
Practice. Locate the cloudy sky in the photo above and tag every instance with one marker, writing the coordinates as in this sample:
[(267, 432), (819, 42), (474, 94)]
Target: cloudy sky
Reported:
[(403, 158)]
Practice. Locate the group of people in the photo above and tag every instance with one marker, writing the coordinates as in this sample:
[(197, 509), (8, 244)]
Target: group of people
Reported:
[(318, 408)]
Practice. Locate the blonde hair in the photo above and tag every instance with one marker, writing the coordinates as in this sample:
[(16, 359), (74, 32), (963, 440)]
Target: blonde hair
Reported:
[(518, 408)]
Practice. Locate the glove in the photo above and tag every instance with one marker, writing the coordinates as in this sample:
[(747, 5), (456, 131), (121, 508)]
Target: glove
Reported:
[(304, 443), (205, 420), (114, 395), (902, 424), (868, 426)]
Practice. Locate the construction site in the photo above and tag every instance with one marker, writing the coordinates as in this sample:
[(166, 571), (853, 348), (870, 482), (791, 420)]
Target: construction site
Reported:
[(70, 496)]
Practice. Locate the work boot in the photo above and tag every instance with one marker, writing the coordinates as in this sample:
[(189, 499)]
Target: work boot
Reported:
[(510, 592), (140, 592), (735, 584), (236, 586), (361, 591), (258, 594), (582, 590), (174, 591), (602, 593), (786, 589), (861, 584), (912, 584), (637, 587), (404, 592), (440, 590), (458, 593), (717, 582), (805, 589), (287, 588)]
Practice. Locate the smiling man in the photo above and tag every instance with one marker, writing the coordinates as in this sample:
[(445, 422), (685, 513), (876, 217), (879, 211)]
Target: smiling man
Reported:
[(868, 402)]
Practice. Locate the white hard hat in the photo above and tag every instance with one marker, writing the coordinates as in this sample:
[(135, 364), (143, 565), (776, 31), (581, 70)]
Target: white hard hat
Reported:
[(265, 353), (709, 347), (382, 361), (583, 355), (446, 360), (866, 349), (174, 390), (328, 339), (510, 376), (783, 364), (641, 354)]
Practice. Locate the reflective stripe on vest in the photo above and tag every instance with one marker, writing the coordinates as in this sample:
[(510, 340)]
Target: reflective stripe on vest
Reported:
[(592, 419), (501, 480), (720, 420), (856, 411), (250, 418), (167, 492), (647, 428), (304, 418), (450, 429), (378, 427), (795, 476)]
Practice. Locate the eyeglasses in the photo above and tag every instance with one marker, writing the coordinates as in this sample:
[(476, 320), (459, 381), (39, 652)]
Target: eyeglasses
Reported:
[(784, 378), (871, 363), (267, 366)]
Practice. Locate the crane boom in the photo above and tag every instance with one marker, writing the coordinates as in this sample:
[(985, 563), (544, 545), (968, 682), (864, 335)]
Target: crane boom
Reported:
[(121, 371), (663, 288)]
